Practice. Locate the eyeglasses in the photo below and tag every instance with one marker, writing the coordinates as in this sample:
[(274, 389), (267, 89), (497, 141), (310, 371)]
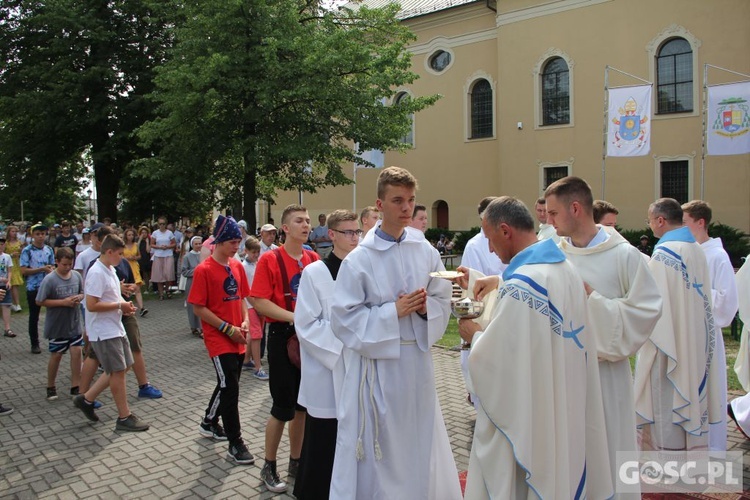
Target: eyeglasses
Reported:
[(349, 233), (648, 221)]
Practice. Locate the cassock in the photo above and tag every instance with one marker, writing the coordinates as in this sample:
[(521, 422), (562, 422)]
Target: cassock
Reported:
[(741, 405), (322, 376), (724, 301), (392, 442), (540, 429), (676, 380), (622, 309), (477, 256)]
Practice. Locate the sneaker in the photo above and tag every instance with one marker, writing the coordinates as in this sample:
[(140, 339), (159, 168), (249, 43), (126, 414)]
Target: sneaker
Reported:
[(249, 365), (51, 393), (74, 391), (86, 407), (149, 391), (271, 479), (213, 431), (16, 308), (293, 467), (97, 404), (35, 349), (260, 375), (132, 423), (239, 454), (143, 312), (5, 410)]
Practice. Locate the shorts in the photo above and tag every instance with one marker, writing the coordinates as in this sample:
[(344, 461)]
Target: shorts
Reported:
[(113, 354), (256, 324), (284, 377), (60, 346), (8, 299), (132, 331)]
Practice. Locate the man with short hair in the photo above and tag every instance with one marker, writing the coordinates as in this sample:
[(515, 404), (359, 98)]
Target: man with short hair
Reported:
[(274, 295), (605, 213), (540, 428), (368, 219), (676, 380), (66, 238), (37, 260), (545, 230), (697, 216), (267, 238), (623, 303), (388, 312), (419, 218), (319, 237), (322, 362)]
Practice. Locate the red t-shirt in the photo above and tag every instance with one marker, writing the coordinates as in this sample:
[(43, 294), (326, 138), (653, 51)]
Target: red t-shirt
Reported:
[(222, 293), (267, 281)]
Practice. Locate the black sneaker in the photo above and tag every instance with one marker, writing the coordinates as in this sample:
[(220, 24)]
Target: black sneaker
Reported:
[(5, 410), (144, 312), (213, 431), (51, 393), (239, 454), (293, 467), (74, 391), (86, 407), (271, 479), (132, 424)]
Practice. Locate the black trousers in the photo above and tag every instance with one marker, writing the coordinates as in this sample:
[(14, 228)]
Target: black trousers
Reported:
[(34, 311), (224, 400), (316, 462)]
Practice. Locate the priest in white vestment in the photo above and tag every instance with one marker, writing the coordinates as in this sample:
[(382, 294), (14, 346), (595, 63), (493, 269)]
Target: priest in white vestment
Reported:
[(739, 408), (392, 442), (697, 216), (623, 303), (677, 386), (540, 428), (546, 231)]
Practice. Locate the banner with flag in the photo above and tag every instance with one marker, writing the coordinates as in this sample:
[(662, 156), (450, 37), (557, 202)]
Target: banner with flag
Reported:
[(728, 119), (629, 121)]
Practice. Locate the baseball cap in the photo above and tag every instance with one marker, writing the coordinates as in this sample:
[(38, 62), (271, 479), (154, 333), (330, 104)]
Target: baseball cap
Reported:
[(644, 237), (86, 230), (268, 227), (39, 227), (96, 226)]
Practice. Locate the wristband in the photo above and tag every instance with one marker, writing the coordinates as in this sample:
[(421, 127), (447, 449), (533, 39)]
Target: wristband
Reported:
[(231, 331)]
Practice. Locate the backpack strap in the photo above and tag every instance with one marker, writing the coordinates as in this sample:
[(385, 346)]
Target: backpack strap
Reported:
[(284, 279)]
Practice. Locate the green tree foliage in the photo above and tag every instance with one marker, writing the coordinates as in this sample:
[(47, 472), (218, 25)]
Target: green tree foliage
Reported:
[(269, 95), (72, 81)]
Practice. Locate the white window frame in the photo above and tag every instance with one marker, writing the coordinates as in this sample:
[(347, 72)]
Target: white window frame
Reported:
[(468, 86), (658, 160), (544, 165), (652, 51), (551, 53), (408, 92)]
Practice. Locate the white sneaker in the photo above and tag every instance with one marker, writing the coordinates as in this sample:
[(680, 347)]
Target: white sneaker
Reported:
[(15, 308)]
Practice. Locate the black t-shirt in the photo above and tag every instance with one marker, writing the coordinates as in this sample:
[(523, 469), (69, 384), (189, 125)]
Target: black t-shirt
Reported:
[(66, 241)]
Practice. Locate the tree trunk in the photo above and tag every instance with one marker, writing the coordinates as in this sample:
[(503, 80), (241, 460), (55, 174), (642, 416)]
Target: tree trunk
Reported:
[(107, 178), (249, 196)]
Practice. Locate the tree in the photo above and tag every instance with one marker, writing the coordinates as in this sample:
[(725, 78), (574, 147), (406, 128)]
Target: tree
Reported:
[(270, 95), (72, 80)]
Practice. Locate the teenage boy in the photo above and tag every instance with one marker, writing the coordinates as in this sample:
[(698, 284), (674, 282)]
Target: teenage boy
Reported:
[(217, 295), (6, 263), (275, 294), (322, 363), (37, 261), (61, 292), (252, 354), (104, 310), (388, 312)]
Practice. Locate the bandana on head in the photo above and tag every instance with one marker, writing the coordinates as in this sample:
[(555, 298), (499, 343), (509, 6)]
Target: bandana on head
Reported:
[(226, 229)]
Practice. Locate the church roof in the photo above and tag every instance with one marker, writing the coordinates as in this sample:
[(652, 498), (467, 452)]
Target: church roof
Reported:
[(413, 8)]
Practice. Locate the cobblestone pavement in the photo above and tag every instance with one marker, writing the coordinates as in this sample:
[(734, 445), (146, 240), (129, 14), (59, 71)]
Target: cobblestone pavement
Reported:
[(49, 450)]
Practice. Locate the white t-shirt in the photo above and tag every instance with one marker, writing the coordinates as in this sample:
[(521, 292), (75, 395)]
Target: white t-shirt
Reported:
[(5, 264), (102, 283), (163, 238), (84, 260), (250, 272)]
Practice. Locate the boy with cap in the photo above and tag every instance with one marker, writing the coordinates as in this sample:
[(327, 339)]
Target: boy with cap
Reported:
[(217, 295), (37, 260)]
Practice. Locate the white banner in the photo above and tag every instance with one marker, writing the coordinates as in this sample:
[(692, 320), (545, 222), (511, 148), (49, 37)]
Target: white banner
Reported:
[(629, 121), (728, 120), (374, 156)]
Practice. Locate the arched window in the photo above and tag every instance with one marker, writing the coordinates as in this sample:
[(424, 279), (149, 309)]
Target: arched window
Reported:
[(555, 92), (674, 77), (402, 97), (481, 109)]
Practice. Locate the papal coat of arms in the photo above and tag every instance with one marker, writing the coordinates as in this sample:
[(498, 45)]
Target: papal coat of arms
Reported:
[(631, 125)]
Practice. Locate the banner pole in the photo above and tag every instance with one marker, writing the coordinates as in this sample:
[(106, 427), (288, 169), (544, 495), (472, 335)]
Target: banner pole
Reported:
[(354, 190), (604, 132), (703, 136)]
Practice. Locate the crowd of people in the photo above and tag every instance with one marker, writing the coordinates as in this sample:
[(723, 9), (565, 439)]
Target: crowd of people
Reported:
[(347, 311)]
